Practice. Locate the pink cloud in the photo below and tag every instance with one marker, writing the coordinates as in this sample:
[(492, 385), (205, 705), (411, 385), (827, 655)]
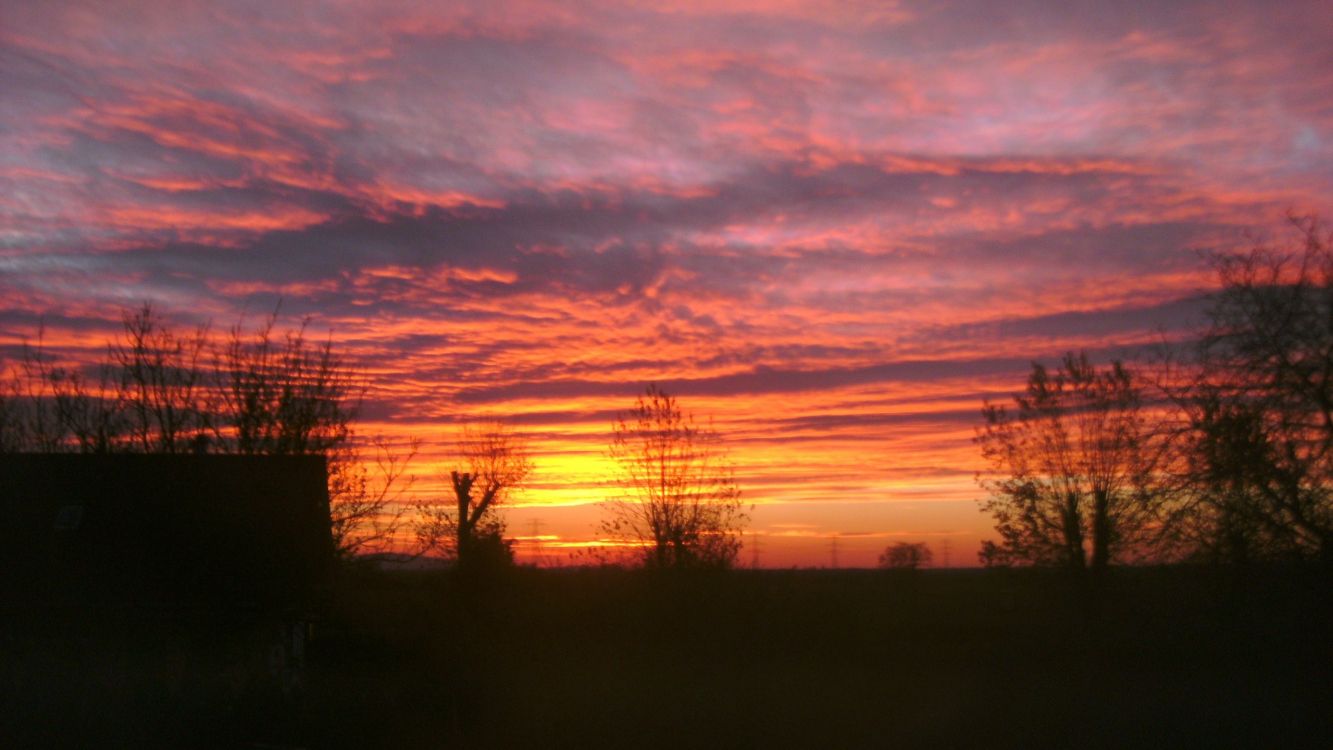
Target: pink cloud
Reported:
[(833, 227)]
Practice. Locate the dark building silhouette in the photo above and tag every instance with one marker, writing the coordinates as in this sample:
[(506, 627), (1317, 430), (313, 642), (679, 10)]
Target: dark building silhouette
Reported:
[(164, 531)]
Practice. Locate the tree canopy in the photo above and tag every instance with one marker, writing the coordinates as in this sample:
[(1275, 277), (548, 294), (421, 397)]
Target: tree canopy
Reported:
[(1070, 465), (1258, 451)]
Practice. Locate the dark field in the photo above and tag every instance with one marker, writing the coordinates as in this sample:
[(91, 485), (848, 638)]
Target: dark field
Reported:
[(1154, 658)]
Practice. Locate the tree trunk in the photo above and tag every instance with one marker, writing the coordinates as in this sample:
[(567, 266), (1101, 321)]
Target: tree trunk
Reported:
[(1075, 556), (463, 491), (1101, 530)]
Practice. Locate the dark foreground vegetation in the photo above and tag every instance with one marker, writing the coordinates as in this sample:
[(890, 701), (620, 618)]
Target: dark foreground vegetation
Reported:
[(1155, 657)]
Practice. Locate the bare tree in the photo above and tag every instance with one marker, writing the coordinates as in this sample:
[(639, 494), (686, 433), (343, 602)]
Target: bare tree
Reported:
[(497, 464), (49, 407), (282, 395), (1070, 468), (11, 417), (30, 418), (163, 383), (88, 408), (1259, 451), (366, 496), (681, 501), (13, 422), (905, 556), (267, 393)]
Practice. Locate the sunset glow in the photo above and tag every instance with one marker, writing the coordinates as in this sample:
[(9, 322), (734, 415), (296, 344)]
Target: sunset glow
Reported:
[(834, 229)]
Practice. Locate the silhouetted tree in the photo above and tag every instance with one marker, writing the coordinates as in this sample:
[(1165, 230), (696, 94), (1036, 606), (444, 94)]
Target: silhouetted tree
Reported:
[(682, 503), (992, 555), (497, 464), (905, 556), (366, 495), (267, 393), (48, 407), (1258, 454), (86, 410), (282, 395), (28, 417), (164, 389), (1070, 468), (11, 419)]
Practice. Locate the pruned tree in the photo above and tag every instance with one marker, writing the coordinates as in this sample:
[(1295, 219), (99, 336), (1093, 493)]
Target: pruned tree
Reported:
[(1070, 469), (496, 463), (681, 503), (905, 556), (1258, 452)]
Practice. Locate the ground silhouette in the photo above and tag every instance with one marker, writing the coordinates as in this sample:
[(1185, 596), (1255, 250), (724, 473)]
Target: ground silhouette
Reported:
[(606, 657)]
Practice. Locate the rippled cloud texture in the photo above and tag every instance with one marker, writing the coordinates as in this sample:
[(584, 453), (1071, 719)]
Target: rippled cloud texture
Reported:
[(834, 227)]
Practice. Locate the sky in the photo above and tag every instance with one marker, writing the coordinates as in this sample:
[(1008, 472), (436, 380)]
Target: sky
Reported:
[(833, 229)]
